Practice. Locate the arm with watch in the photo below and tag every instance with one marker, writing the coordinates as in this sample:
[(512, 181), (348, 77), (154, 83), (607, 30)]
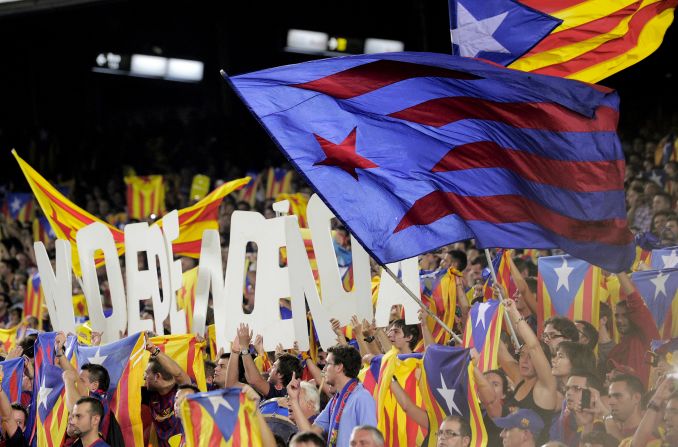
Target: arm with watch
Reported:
[(254, 378), (73, 387), (168, 364), (652, 418)]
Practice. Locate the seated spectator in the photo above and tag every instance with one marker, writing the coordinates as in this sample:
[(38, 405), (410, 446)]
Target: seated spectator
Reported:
[(520, 429)]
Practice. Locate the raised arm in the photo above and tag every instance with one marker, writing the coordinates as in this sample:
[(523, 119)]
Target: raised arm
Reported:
[(426, 335), (168, 363), (254, 378), (525, 292), (508, 363), (652, 418), (410, 408), (293, 389), (637, 311), (8, 423)]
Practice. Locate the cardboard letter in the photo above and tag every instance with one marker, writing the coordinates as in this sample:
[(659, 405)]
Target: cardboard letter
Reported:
[(57, 287), (390, 293)]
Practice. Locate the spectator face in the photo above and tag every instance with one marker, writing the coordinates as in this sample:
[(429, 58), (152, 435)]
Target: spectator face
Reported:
[(658, 223), (514, 437), (583, 339), (220, 373), (526, 368), (362, 438), (672, 227), (622, 401), (449, 435), (660, 203), (623, 324), (86, 382), (573, 391), (497, 384), (179, 398), (671, 421), (19, 418), (562, 366), (82, 421), (330, 370), (552, 337), (398, 339), (274, 377)]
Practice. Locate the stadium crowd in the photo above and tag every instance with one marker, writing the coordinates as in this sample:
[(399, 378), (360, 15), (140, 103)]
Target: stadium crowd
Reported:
[(568, 383)]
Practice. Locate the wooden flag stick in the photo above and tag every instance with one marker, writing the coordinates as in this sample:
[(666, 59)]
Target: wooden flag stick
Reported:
[(502, 298)]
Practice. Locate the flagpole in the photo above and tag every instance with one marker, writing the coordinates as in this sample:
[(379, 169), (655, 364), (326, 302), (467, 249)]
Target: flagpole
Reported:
[(421, 304), (502, 298)]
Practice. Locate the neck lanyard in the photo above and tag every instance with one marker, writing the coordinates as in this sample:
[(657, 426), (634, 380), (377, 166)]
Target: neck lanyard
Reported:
[(338, 404)]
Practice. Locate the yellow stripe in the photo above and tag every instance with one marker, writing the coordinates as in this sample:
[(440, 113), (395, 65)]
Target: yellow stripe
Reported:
[(586, 12), (650, 38)]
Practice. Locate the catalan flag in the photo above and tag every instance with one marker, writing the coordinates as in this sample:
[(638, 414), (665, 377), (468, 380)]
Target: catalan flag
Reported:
[(483, 331), (642, 255), (664, 258), (195, 219), (145, 196), (298, 203), (80, 305), (439, 294), (569, 287), (65, 217), (248, 193), (448, 388), (503, 271), (667, 150), (12, 376), (187, 352), (186, 295), (42, 230), (34, 298), (220, 418), (610, 293), (19, 206), (659, 289), (278, 181), (123, 359), (212, 341), (587, 40), (8, 338)]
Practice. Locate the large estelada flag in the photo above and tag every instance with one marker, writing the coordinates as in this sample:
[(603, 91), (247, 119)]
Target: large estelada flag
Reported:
[(659, 289), (587, 40), (413, 151), (186, 351), (12, 375), (483, 332), (448, 389), (664, 258), (123, 361), (220, 418), (145, 196), (569, 287)]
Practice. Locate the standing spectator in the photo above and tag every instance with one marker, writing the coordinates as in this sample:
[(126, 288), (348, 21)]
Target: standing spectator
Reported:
[(625, 394), (352, 405), (84, 422)]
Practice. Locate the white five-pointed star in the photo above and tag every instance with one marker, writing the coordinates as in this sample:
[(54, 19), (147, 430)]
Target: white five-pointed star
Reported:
[(16, 205), (656, 178), (473, 36), (43, 393), (448, 395), (671, 260), (659, 282), (97, 359), (563, 273), (219, 401), (482, 310)]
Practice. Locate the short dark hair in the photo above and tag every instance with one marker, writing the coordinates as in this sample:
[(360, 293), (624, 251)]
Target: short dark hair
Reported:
[(504, 380), (590, 332), (209, 368), (461, 259), (409, 330), (464, 426), (600, 437), (95, 405), (307, 437), (592, 380), (99, 374), (287, 365), (157, 368), (565, 326), (349, 357), (631, 381), (17, 406), (28, 344), (580, 356), (189, 386)]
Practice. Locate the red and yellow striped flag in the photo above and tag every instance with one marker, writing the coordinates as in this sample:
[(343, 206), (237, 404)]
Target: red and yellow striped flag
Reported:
[(248, 193), (483, 332), (597, 38), (145, 196), (212, 342), (278, 181), (65, 217), (298, 204), (439, 293), (8, 339), (186, 295), (186, 351), (34, 298), (195, 219)]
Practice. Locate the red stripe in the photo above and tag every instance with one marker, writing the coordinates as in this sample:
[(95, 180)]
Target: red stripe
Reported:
[(189, 248), (190, 359), (587, 296), (583, 32), (513, 209), (613, 47), (208, 212), (372, 76), (248, 427), (525, 115), (196, 419), (123, 394), (584, 176), (540, 306), (551, 5), (411, 427)]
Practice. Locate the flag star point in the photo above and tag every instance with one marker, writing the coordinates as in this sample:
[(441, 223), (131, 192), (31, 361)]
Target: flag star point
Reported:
[(219, 401), (659, 282), (448, 396), (343, 155), (473, 36), (670, 261), (563, 273), (97, 358)]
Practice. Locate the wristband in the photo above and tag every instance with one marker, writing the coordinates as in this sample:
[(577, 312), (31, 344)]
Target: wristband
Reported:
[(244, 352), (369, 338), (156, 352)]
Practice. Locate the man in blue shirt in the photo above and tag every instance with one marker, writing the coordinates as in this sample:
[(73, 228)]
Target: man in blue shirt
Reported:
[(352, 405)]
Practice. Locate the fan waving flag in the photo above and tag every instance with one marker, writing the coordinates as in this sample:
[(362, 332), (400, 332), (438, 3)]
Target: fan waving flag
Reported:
[(587, 40), (220, 418), (569, 287), (659, 289), (483, 331), (413, 151)]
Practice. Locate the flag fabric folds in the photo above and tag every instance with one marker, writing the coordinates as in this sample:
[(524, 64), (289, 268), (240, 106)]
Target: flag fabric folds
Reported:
[(8, 338), (42, 230), (413, 151), (569, 287), (186, 351), (19, 206), (145, 196), (186, 295), (278, 181), (483, 332), (12, 375), (439, 293), (664, 258), (220, 418), (448, 388), (298, 203), (502, 269), (34, 298), (659, 289), (123, 360), (587, 40), (248, 193)]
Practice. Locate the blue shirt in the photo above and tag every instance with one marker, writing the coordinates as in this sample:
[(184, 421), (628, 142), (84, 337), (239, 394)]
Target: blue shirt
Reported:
[(360, 409)]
